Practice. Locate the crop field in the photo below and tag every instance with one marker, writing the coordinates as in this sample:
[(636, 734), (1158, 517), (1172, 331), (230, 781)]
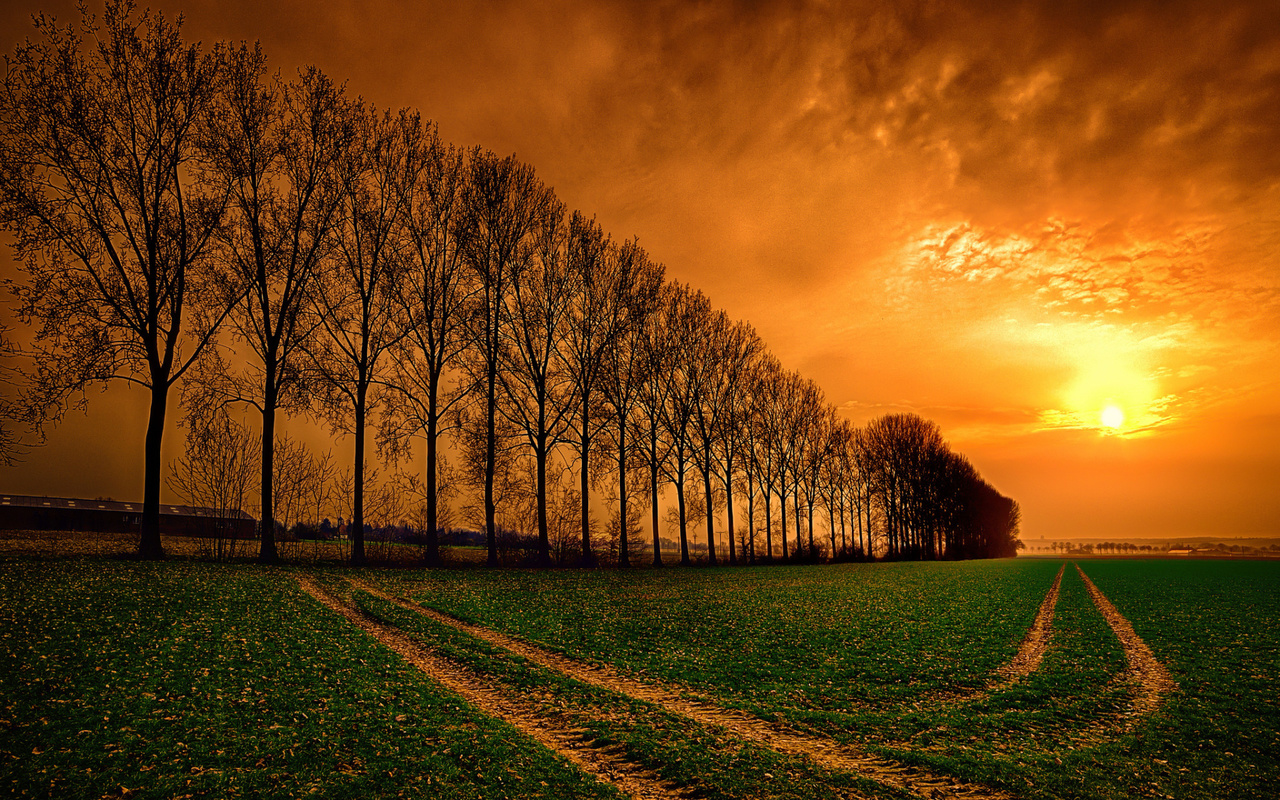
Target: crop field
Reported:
[(998, 679)]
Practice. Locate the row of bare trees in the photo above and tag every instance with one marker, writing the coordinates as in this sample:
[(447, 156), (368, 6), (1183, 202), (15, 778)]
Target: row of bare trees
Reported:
[(186, 216)]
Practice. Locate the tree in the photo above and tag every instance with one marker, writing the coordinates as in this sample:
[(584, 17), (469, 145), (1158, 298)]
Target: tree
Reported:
[(595, 316), (537, 393), (705, 358), (435, 296), (278, 146), (655, 352), (114, 211), (742, 346), (355, 294), (766, 452), (503, 203), (216, 473), (682, 318), (624, 373)]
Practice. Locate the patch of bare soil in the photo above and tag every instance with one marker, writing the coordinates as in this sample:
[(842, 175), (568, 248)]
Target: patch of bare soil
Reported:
[(827, 753), (605, 765), (1145, 671)]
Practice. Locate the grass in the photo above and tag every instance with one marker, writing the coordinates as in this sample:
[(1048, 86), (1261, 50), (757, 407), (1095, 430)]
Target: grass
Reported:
[(189, 680), (789, 640), (713, 763), (847, 651)]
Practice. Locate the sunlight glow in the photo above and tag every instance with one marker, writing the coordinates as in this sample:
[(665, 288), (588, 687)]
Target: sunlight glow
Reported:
[(1112, 417)]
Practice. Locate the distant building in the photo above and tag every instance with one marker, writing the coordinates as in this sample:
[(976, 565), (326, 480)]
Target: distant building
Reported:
[(24, 512)]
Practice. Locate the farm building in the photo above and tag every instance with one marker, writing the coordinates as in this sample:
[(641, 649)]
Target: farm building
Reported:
[(25, 512)]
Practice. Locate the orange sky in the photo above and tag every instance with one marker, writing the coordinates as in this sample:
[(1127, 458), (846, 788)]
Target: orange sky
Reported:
[(1005, 219)]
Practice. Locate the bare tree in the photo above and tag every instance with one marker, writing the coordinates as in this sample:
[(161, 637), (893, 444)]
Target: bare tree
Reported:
[(113, 211), (786, 439), (766, 431), (278, 146), (742, 346), (355, 293), (216, 473), (537, 393), (624, 373), (503, 203), (595, 318), (704, 356), (434, 294), (682, 323), (655, 351)]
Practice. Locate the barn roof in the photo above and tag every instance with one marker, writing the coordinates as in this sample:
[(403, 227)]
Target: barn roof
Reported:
[(166, 509)]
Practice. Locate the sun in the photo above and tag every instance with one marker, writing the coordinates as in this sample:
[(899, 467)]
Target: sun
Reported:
[(1112, 417)]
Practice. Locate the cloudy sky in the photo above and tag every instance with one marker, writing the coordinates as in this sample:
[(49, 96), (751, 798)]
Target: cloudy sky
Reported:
[(1004, 217)]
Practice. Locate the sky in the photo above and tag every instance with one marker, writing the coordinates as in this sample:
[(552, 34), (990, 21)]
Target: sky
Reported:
[(1005, 217)]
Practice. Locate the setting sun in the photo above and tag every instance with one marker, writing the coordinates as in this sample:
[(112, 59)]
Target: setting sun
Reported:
[(1112, 417)]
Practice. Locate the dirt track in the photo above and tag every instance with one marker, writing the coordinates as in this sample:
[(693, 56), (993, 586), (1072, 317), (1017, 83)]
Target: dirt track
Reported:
[(1030, 652), (822, 751), (1151, 678), (604, 765)]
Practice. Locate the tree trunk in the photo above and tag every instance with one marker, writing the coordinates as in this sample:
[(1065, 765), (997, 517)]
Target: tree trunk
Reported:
[(432, 532), (782, 505), (813, 552), (844, 541), (795, 499), (491, 452), (768, 524), (267, 551), (728, 502), (149, 541), (751, 520), (684, 533), (357, 505), (711, 518), (624, 559), (653, 487), (544, 538), (588, 557)]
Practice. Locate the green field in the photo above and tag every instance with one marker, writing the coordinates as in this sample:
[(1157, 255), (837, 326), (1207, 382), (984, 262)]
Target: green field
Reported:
[(191, 679)]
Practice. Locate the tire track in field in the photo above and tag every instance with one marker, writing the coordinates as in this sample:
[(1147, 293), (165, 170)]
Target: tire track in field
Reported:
[(604, 765), (825, 752), (1152, 679), (1030, 652)]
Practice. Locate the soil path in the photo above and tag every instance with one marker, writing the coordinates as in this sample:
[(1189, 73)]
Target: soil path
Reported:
[(1030, 652), (602, 764), (1152, 679), (825, 752)]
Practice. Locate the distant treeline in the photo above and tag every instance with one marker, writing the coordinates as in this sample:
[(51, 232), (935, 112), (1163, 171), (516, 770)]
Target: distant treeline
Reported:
[(185, 217)]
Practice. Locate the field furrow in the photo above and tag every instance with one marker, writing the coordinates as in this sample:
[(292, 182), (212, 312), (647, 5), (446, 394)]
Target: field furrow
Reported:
[(823, 751), (1151, 678), (1030, 651), (604, 765)]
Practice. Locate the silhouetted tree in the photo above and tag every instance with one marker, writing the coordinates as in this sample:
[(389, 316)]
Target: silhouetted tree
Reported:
[(682, 322), (435, 296), (113, 211), (356, 293), (596, 316), (217, 472), (655, 351), (624, 372), (277, 145), (739, 350), (503, 203), (537, 392)]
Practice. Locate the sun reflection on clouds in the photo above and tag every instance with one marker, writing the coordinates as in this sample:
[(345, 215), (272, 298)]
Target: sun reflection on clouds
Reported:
[(1127, 317)]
